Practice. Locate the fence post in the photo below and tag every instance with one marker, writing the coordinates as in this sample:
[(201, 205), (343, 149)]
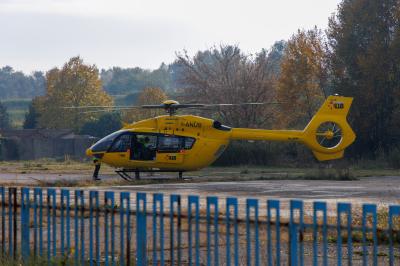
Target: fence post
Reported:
[(193, 201), (79, 226), (51, 223), (109, 209), (158, 198), (12, 221), (25, 215), (3, 220), (369, 209), (295, 234), (252, 204), (94, 208), (38, 225), (232, 202), (141, 229), (273, 204), (320, 207), (124, 210), (212, 201), (344, 208), (65, 222), (175, 199), (393, 211)]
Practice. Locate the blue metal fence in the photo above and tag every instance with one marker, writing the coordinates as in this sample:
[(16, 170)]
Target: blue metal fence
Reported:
[(107, 229)]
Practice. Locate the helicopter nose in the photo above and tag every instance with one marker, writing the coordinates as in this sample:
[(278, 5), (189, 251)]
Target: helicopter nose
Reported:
[(89, 152)]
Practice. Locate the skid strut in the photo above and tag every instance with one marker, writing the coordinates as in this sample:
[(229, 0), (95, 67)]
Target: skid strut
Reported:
[(124, 173)]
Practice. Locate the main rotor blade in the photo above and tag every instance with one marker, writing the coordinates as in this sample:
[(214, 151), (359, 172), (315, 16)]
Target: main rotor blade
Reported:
[(153, 106), (239, 104), (233, 104), (163, 106), (105, 110), (101, 106)]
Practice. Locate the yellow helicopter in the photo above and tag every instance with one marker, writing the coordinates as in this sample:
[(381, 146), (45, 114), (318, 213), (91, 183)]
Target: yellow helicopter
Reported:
[(180, 143)]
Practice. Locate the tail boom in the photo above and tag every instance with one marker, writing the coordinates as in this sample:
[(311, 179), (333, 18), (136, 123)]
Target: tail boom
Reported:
[(262, 134), (327, 134)]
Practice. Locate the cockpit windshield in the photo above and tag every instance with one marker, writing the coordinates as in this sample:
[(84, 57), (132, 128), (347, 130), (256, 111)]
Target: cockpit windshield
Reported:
[(104, 144)]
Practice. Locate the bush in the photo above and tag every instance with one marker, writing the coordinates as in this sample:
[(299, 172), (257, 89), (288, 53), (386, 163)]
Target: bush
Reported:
[(297, 155), (394, 158), (266, 154)]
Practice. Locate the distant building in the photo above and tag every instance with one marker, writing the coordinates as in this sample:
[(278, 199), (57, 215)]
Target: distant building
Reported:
[(31, 144)]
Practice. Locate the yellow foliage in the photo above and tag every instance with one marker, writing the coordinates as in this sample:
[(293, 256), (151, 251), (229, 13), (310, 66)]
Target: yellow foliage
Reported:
[(302, 79), (76, 84)]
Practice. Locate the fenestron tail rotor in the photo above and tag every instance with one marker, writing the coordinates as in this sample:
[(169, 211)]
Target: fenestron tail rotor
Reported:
[(329, 134)]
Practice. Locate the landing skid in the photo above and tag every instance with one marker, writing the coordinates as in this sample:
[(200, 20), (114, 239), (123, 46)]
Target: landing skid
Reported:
[(124, 173)]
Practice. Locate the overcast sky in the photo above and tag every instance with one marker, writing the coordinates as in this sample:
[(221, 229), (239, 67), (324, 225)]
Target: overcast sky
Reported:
[(41, 34)]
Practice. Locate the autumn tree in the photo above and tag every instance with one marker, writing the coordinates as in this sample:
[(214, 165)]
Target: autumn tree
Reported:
[(364, 40), (147, 96), (303, 78), (226, 75), (76, 84)]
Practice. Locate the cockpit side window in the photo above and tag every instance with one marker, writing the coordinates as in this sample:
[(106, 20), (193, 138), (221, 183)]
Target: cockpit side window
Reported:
[(188, 144), (169, 143), (104, 144), (174, 143), (122, 143)]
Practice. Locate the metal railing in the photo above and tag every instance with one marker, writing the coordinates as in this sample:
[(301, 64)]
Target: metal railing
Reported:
[(76, 227)]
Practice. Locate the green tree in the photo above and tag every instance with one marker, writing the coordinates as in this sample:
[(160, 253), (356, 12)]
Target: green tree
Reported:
[(123, 81), (276, 54), (15, 84), (105, 125), (31, 118), (4, 117), (76, 84), (302, 79), (365, 55)]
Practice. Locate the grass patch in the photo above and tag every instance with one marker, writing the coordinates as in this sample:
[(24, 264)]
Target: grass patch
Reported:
[(51, 166), (58, 261), (382, 234)]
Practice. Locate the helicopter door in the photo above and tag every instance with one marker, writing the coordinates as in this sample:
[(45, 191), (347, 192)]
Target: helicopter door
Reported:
[(143, 147)]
